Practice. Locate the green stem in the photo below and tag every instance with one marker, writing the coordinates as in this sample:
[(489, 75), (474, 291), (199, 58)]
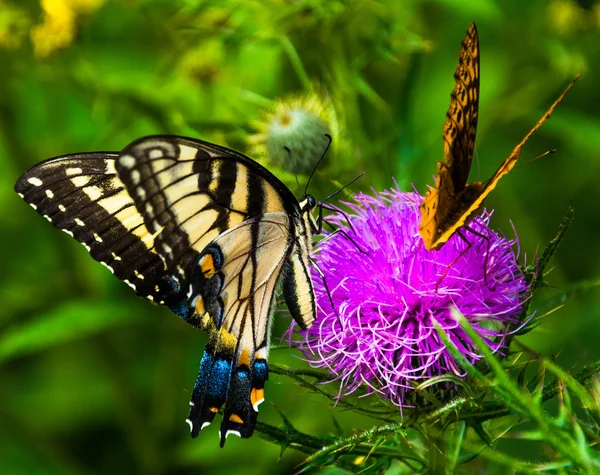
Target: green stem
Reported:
[(294, 58)]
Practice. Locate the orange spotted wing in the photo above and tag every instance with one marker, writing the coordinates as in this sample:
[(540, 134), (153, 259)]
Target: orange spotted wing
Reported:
[(453, 202)]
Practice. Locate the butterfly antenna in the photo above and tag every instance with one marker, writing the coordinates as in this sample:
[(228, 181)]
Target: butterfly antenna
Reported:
[(478, 164), (548, 152), (293, 164), (336, 192), (322, 206), (318, 163)]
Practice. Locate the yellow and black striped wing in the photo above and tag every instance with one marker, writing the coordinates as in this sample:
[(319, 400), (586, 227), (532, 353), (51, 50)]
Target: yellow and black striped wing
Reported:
[(83, 196), (229, 228), (202, 229), (189, 192)]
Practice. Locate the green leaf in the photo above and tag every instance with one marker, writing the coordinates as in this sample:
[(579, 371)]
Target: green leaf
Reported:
[(65, 323)]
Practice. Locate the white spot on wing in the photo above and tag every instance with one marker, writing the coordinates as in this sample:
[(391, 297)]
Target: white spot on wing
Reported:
[(234, 432), (155, 153), (135, 177), (205, 424), (49, 194), (21, 195), (149, 209), (141, 193), (67, 231), (138, 275), (33, 206), (110, 167), (257, 403), (127, 161), (129, 284), (74, 171), (190, 424), (115, 257), (97, 237), (35, 182), (62, 208), (80, 181), (48, 218), (78, 222), (108, 267)]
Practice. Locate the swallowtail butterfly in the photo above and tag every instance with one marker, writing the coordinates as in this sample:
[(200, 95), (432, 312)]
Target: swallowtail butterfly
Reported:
[(202, 229)]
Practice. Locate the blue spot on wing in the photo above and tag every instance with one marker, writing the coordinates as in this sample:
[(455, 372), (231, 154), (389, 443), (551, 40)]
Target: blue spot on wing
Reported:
[(211, 389), (218, 380), (181, 309), (260, 373)]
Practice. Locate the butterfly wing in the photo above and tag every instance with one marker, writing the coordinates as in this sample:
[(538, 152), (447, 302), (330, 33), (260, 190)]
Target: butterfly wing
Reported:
[(228, 228), (232, 290), (508, 163), (189, 192), (460, 128), (212, 224), (82, 195), (459, 134), (472, 198)]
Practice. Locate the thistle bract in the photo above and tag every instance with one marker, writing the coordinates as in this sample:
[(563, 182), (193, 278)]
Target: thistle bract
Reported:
[(390, 296), (299, 125)]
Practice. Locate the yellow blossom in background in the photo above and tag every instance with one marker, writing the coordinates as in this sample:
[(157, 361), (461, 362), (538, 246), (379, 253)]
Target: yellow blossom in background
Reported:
[(566, 16), (59, 23), (204, 63)]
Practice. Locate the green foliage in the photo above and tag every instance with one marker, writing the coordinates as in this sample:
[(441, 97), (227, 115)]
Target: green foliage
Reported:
[(94, 380)]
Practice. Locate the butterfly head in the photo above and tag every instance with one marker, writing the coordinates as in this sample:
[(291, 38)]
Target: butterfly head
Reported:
[(308, 204)]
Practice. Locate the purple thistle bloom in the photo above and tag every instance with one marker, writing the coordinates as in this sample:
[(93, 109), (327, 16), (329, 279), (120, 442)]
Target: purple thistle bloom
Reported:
[(383, 334)]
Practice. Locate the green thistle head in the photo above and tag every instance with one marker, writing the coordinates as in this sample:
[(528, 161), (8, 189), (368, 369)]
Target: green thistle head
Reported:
[(300, 124)]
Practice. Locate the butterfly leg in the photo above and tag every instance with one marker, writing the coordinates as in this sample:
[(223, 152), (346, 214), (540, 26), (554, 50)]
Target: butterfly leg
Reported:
[(487, 251), (322, 275), (336, 231), (469, 245), (322, 221), (464, 238)]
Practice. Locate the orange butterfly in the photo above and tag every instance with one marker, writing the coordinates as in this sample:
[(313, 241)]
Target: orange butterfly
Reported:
[(454, 202)]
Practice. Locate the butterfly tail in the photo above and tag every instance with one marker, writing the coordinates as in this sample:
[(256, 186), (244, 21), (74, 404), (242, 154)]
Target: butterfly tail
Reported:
[(245, 395), (210, 390), (235, 381)]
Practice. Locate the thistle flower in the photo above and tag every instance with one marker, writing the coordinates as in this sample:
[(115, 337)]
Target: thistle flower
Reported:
[(388, 300), (299, 124)]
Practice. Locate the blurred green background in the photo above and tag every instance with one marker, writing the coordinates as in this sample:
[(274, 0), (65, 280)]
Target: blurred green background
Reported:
[(95, 380)]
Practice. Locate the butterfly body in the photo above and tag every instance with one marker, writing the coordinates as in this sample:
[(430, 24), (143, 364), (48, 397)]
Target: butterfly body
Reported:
[(203, 230), (454, 201)]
